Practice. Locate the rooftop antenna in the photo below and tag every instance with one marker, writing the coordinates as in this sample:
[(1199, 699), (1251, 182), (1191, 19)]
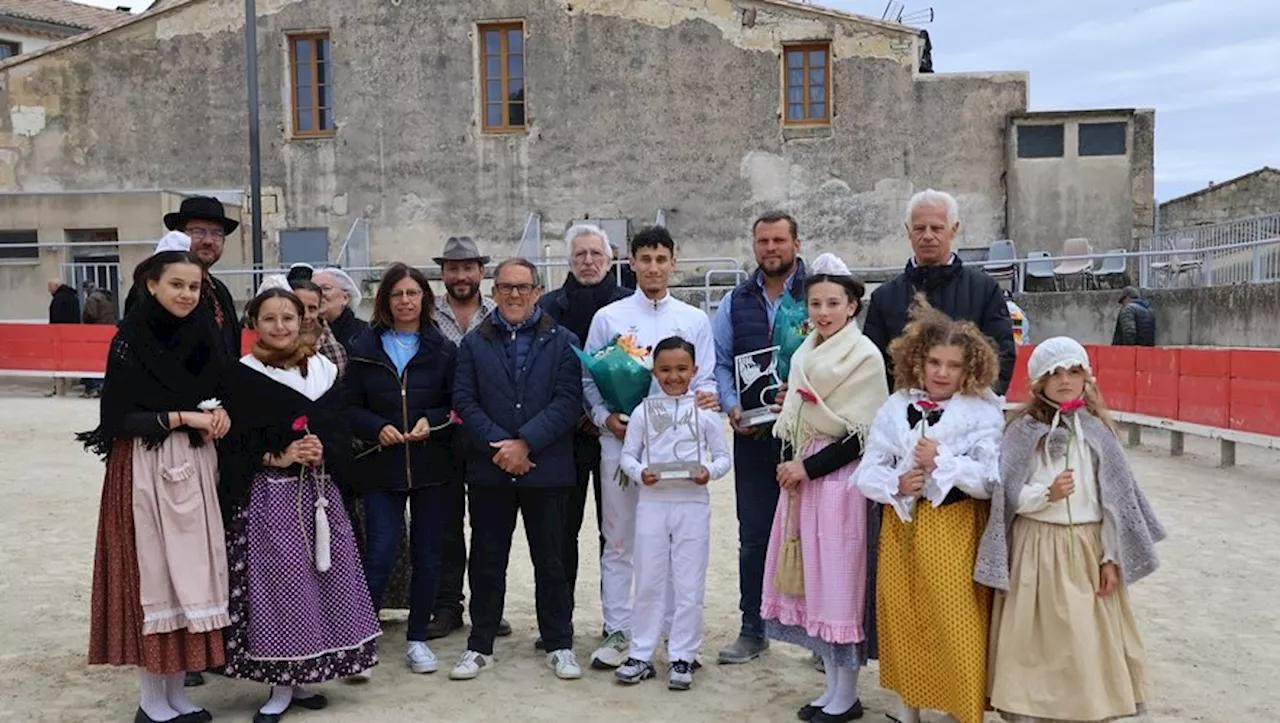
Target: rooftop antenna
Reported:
[(916, 17)]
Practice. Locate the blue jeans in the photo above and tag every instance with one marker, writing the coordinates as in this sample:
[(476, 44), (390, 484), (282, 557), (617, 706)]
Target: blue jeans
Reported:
[(755, 463), (384, 526)]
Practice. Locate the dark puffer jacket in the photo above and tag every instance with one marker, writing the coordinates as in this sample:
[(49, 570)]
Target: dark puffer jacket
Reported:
[(539, 403), (1136, 325), (956, 290), (377, 395)]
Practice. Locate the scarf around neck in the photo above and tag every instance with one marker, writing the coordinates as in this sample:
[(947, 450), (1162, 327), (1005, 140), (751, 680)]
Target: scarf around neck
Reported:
[(582, 302), (845, 374)]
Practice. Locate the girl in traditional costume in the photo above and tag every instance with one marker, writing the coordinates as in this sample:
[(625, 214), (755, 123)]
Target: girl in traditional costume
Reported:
[(300, 608), (1070, 531), (835, 387), (932, 460), (159, 597)]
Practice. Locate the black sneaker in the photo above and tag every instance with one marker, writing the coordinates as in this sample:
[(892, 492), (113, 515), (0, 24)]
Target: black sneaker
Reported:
[(443, 623), (633, 671), (504, 628)]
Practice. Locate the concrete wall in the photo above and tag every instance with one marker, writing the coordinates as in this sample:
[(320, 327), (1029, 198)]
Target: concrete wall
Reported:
[(634, 107), (1109, 200), (1241, 315), (136, 216), (1255, 194)]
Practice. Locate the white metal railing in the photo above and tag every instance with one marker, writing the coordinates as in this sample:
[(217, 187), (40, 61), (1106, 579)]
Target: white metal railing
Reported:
[(1210, 236)]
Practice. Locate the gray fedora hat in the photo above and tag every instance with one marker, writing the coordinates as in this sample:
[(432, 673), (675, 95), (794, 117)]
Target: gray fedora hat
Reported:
[(460, 248)]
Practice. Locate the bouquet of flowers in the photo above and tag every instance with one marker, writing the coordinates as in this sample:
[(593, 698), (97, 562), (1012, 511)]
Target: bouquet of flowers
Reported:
[(622, 371), (790, 327)]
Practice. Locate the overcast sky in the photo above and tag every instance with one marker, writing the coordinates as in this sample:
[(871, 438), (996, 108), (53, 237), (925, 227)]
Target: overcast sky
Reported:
[(1210, 68)]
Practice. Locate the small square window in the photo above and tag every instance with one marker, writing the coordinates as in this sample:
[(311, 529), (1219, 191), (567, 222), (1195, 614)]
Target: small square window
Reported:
[(1040, 141), (1103, 139), (9, 49)]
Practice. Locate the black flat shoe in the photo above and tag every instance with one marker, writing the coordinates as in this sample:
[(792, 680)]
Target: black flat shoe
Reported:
[(853, 713), (807, 712), (192, 680), (196, 716), (314, 702), (504, 628), (142, 717), (261, 717)]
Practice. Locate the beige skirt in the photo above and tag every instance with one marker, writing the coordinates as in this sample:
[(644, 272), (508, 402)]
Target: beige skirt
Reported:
[(1059, 652)]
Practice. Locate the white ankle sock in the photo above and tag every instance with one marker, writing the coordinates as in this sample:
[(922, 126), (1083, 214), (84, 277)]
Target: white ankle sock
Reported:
[(281, 697), (822, 700), (153, 701), (846, 692), (176, 693), (300, 693), (908, 715)]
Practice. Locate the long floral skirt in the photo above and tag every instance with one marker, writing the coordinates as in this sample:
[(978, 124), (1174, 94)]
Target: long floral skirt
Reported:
[(291, 624), (116, 617)]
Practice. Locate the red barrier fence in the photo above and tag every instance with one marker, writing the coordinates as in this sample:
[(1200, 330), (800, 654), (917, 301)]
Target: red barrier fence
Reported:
[(62, 350), (1227, 388)]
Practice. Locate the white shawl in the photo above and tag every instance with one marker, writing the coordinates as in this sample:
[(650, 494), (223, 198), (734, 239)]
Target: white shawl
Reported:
[(846, 374)]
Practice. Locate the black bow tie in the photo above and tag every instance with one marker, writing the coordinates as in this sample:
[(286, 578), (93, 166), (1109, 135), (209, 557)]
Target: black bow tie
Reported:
[(914, 415)]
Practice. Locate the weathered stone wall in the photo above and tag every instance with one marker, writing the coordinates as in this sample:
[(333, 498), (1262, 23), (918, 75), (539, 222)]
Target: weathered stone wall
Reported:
[(1252, 195), (1242, 315), (670, 104)]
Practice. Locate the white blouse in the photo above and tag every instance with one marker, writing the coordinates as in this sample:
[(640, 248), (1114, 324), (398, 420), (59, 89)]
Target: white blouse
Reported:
[(1086, 500), (321, 375)]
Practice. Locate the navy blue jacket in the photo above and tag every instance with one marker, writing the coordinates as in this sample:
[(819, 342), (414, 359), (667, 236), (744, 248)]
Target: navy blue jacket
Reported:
[(539, 404), (377, 395), (752, 330)]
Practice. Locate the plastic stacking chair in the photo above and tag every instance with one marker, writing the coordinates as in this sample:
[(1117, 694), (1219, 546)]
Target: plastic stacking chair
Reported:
[(1000, 258), (1075, 267), (1113, 264), (1042, 267)]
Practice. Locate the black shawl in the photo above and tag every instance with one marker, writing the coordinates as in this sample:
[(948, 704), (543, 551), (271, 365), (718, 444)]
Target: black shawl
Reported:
[(263, 412), (158, 363), (582, 303)]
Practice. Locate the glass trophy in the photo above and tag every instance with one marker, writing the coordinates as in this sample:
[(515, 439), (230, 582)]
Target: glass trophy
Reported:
[(756, 376), (672, 422)]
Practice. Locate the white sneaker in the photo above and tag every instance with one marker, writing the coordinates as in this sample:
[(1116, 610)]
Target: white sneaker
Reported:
[(420, 658), (612, 653), (469, 665), (565, 664)]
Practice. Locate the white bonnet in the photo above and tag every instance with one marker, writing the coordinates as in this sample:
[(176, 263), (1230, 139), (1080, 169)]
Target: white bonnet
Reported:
[(347, 283), (1060, 352), (274, 281), (828, 264), (174, 241)]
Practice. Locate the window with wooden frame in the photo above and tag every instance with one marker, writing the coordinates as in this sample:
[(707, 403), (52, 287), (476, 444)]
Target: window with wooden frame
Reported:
[(312, 85), (808, 84), (9, 49), (502, 77)]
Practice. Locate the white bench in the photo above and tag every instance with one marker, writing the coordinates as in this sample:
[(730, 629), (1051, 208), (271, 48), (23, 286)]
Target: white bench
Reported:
[(1177, 430)]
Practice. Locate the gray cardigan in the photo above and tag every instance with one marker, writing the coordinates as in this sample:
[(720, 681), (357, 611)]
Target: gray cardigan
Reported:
[(1137, 527)]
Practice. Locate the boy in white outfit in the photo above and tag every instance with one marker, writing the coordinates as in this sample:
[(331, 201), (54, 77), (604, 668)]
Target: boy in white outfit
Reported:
[(673, 515), (651, 316)]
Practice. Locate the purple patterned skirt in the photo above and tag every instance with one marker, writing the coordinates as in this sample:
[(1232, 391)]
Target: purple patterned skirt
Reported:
[(289, 623)]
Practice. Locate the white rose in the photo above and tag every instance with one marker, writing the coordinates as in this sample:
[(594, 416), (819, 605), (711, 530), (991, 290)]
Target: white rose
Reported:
[(209, 405)]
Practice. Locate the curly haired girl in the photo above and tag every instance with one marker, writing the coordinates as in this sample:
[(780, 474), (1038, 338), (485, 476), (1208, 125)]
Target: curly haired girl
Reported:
[(936, 440), (1070, 530)]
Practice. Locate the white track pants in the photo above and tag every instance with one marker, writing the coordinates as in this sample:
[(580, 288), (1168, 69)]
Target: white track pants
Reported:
[(673, 544), (618, 525)]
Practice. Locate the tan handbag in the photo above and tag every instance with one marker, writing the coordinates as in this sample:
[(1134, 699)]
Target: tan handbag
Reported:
[(789, 575)]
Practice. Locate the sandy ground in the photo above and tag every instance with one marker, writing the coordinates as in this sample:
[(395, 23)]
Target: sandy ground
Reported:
[(1210, 616)]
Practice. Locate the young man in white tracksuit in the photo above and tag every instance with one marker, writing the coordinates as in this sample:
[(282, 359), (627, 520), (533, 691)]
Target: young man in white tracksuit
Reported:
[(652, 315), (675, 453)]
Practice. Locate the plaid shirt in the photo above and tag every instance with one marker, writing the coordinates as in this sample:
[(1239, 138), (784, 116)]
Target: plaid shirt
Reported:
[(329, 347), (448, 323)]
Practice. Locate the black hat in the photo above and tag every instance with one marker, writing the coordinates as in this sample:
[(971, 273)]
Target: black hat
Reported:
[(200, 208)]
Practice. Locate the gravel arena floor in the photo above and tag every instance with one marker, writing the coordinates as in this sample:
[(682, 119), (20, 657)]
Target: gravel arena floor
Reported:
[(1210, 616)]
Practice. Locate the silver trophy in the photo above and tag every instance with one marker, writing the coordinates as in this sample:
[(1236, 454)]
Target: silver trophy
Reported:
[(673, 420), (756, 376)]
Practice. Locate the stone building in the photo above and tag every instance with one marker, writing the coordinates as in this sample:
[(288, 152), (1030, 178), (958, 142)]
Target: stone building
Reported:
[(28, 25), (1253, 194), (413, 121)]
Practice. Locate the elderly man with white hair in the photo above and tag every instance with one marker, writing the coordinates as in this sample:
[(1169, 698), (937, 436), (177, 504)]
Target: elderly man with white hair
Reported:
[(341, 298), (589, 287), (961, 292)]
